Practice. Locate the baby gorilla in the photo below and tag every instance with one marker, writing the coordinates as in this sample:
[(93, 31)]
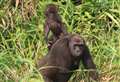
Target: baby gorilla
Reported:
[(64, 57), (54, 24)]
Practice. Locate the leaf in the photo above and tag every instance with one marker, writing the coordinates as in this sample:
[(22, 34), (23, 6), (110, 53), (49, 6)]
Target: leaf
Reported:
[(112, 18)]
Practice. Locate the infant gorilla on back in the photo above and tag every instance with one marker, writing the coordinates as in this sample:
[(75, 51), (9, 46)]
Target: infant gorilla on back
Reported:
[(64, 57)]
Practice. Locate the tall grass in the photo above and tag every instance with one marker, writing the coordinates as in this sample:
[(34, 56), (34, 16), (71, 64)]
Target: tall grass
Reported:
[(22, 37)]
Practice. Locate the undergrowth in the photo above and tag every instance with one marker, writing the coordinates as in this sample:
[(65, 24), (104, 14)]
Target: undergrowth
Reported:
[(22, 37)]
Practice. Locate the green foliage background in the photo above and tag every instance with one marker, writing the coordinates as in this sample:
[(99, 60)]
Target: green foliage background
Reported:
[(22, 37)]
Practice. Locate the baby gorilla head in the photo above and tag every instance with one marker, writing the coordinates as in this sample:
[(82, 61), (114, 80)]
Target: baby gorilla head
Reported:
[(76, 45), (51, 9)]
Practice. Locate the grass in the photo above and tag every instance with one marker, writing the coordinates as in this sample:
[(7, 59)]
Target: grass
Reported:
[(22, 37)]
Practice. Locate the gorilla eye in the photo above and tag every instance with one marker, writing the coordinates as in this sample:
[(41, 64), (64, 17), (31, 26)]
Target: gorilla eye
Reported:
[(81, 45)]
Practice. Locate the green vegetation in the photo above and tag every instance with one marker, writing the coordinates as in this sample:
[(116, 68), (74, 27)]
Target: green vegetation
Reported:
[(22, 37)]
